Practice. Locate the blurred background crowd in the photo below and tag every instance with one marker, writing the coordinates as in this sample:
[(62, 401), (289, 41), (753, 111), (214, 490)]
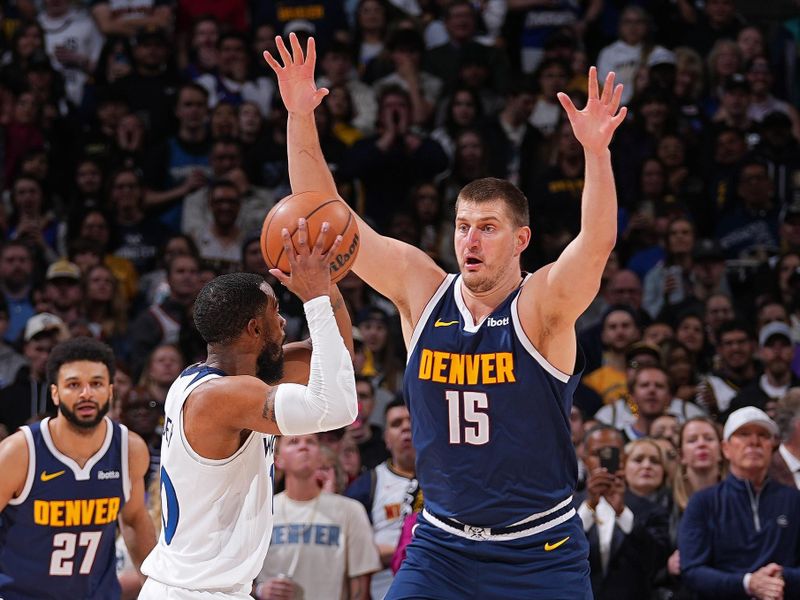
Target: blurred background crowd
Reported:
[(143, 141)]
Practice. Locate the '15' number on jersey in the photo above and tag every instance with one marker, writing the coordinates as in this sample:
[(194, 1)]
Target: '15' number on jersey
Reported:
[(469, 421)]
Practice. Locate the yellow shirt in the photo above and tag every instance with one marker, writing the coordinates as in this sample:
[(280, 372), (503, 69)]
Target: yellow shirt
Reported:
[(609, 382)]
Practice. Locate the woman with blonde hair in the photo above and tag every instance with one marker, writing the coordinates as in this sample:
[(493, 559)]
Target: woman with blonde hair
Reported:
[(645, 471)]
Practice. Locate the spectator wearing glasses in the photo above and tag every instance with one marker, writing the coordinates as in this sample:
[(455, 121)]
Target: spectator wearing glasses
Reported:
[(739, 538)]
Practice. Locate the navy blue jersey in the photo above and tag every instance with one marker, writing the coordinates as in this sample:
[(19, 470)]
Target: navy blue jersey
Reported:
[(57, 537), (489, 415)]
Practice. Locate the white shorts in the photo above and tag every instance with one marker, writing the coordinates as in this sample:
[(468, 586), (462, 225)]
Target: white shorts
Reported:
[(155, 590)]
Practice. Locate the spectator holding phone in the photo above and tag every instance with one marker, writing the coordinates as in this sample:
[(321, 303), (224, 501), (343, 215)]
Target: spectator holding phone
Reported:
[(628, 535)]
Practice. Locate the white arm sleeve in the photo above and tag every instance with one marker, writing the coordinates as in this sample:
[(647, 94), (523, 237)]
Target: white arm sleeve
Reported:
[(329, 400)]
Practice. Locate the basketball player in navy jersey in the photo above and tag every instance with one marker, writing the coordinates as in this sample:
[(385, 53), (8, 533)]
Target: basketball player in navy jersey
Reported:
[(222, 416), (492, 364), (64, 483)]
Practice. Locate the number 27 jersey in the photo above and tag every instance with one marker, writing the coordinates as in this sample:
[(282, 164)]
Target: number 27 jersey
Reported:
[(489, 414)]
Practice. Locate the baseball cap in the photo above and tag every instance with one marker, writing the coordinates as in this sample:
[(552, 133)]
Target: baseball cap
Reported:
[(708, 250), (737, 81), (63, 269), (660, 56), (745, 416), (642, 348), (771, 329), (44, 322)]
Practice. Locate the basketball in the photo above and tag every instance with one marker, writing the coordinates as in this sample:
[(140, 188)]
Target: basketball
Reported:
[(317, 208)]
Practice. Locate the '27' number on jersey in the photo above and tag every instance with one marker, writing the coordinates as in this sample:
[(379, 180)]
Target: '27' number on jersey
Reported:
[(62, 559), (467, 416)]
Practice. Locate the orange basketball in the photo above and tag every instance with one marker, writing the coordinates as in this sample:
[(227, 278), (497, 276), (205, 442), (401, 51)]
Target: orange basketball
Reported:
[(317, 208)]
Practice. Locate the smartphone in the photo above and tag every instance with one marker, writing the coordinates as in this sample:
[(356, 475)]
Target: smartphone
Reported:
[(609, 458)]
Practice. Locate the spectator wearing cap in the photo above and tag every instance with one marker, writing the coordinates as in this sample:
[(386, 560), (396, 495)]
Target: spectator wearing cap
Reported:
[(759, 76), (126, 17), (324, 19), (619, 330), (73, 43), (738, 539), (708, 279), (28, 397), (150, 87), (734, 104), (625, 55), (180, 165), (233, 84), (624, 411), (63, 290), (749, 229), (405, 50), (785, 467), (736, 369), (776, 352), (16, 284)]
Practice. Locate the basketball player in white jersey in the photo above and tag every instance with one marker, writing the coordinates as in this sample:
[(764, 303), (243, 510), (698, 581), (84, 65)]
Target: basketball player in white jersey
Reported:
[(221, 419)]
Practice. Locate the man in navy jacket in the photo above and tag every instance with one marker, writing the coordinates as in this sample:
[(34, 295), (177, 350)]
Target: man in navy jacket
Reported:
[(741, 538)]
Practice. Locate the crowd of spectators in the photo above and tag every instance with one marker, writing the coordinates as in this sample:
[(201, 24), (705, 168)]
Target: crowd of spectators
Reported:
[(143, 141)]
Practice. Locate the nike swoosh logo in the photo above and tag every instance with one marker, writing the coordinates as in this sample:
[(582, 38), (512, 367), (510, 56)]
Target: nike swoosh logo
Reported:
[(548, 547), (48, 476), (440, 323)]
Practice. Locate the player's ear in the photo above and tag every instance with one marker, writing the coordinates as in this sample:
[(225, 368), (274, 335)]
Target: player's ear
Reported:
[(523, 239), (54, 394), (253, 328)]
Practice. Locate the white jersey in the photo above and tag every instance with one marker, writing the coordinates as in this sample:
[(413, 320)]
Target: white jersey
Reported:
[(216, 514)]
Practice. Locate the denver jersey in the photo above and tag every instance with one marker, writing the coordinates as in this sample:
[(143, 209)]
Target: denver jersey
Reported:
[(216, 515), (489, 414), (57, 537)]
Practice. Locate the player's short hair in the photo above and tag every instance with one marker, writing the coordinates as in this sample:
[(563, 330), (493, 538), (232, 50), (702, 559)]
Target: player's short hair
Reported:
[(78, 349), (226, 304), (489, 189)]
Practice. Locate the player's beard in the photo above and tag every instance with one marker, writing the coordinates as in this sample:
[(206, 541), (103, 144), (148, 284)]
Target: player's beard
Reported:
[(82, 423), (269, 364)]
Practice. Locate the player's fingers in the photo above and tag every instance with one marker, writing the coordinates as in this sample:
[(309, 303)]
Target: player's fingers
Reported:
[(608, 88), (593, 91), (311, 51), (334, 249), (566, 102), (319, 245), (271, 61), (282, 277), (620, 116), (615, 100), (302, 235), (285, 56), (297, 51), (288, 246)]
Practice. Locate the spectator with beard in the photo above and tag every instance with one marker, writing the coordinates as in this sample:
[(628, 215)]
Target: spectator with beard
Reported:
[(776, 352), (16, 284), (64, 291), (651, 395), (736, 369), (28, 397)]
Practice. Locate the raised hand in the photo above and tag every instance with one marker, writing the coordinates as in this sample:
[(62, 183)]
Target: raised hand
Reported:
[(310, 274), (296, 77), (595, 124)]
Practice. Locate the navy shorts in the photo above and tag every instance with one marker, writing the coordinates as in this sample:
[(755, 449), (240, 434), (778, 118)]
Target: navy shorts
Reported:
[(441, 566)]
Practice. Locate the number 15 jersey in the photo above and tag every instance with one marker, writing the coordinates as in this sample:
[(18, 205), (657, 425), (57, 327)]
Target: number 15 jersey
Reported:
[(489, 414)]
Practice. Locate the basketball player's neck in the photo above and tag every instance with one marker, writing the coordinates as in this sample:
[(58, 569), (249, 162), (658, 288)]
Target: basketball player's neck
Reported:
[(232, 360), (302, 489), (481, 303), (79, 444)]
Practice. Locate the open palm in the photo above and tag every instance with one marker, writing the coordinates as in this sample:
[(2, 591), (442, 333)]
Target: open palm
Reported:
[(296, 77), (595, 124)]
